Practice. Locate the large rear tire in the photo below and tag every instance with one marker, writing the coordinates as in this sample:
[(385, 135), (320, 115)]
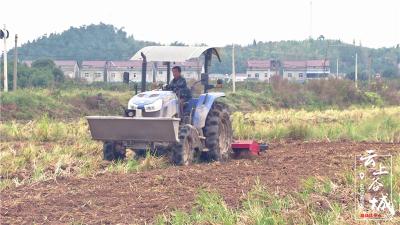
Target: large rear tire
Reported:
[(218, 132), (185, 151), (113, 150)]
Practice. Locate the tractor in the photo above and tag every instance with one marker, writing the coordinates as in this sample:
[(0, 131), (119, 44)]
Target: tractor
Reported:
[(190, 131)]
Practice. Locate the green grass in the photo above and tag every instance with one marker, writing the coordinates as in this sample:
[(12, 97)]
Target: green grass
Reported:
[(260, 206), (319, 200), (76, 100), (28, 104)]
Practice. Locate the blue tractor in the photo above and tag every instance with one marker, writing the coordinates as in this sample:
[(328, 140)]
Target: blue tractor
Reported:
[(196, 129)]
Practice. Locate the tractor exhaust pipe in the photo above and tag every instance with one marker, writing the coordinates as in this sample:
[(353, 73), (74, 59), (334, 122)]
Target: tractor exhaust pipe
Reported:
[(144, 68)]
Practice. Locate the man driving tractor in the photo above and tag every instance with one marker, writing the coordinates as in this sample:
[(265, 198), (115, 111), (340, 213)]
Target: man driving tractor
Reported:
[(179, 86)]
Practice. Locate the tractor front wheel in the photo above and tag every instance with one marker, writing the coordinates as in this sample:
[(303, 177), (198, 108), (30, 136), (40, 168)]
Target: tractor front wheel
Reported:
[(185, 151), (113, 150)]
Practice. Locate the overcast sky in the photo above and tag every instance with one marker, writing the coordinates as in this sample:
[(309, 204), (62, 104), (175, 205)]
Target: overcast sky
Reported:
[(376, 23)]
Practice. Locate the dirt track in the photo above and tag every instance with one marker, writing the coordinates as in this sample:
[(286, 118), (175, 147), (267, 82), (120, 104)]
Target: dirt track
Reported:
[(138, 197)]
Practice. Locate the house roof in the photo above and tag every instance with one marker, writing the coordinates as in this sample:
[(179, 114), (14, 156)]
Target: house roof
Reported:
[(127, 63), (65, 62), (259, 64), (305, 64), (294, 64), (96, 64), (318, 63)]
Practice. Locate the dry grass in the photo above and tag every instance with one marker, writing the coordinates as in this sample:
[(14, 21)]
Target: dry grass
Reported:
[(47, 148), (360, 124)]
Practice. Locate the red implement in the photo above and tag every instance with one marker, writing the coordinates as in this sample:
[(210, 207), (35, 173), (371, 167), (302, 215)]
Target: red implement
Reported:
[(249, 147)]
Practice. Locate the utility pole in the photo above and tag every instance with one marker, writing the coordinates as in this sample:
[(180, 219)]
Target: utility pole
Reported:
[(5, 59), (310, 19), (355, 73), (15, 64), (233, 70), (337, 68), (154, 71)]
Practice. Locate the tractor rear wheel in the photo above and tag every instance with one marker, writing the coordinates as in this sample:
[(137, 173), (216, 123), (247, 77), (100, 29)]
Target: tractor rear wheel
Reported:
[(218, 132), (113, 150), (184, 152)]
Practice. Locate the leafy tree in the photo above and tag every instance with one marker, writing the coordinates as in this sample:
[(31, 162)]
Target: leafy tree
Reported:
[(42, 73), (41, 78), (43, 63), (177, 43), (92, 42), (58, 75)]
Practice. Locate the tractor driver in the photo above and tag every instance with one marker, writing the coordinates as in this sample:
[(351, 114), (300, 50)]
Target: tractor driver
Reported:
[(178, 85)]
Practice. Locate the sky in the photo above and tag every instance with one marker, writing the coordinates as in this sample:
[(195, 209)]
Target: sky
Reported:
[(373, 23)]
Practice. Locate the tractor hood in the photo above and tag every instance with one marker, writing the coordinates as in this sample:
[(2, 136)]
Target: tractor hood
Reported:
[(149, 97)]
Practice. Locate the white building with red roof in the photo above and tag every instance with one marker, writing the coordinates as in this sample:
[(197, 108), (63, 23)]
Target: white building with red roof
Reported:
[(113, 71), (93, 71), (259, 70), (305, 70), (133, 68)]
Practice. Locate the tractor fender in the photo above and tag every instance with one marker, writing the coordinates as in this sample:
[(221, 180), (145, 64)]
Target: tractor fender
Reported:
[(203, 106)]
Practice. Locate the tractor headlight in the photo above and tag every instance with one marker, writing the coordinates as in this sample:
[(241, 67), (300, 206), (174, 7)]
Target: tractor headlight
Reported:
[(155, 106)]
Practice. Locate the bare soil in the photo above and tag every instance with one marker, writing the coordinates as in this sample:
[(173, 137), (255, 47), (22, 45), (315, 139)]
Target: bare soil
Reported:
[(138, 197)]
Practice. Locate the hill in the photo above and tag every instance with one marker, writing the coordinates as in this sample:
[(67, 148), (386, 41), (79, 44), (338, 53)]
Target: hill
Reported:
[(106, 42), (92, 42)]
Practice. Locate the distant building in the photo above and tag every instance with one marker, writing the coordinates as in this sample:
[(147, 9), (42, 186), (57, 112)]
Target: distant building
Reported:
[(113, 71), (93, 71), (216, 76), (240, 77), (259, 70), (305, 70), (116, 70), (70, 68)]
